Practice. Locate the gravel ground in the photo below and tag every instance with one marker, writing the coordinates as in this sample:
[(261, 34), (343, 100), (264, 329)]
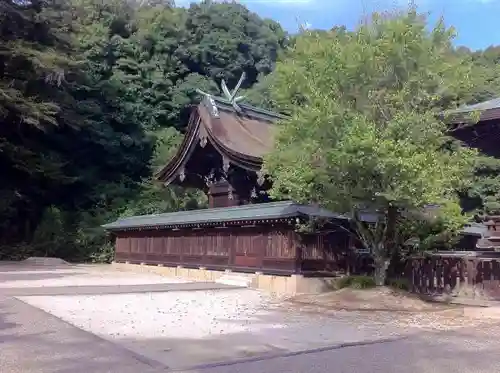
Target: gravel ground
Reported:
[(193, 329), (183, 329), (54, 346), (440, 320), (183, 314)]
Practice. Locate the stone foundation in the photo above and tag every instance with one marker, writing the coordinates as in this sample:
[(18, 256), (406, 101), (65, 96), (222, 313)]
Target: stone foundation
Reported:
[(277, 285)]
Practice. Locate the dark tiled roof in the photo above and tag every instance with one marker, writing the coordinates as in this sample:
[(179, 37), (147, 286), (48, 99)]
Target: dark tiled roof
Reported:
[(475, 229), (485, 244), (486, 105), (214, 216), (487, 110)]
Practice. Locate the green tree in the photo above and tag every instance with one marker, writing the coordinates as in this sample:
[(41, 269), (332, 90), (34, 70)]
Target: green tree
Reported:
[(157, 55), (94, 95), (35, 54), (226, 39), (63, 145), (154, 56), (364, 134), (486, 74), (483, 197)]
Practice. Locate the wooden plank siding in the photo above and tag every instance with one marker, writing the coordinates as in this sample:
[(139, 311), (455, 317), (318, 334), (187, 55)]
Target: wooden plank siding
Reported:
[(269, 249), (324, 252)]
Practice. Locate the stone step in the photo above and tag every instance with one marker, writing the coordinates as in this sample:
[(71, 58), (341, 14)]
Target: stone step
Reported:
[(236, 279)]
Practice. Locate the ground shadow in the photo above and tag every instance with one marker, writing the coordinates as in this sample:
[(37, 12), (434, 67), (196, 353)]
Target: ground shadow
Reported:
[(5, 324), (16, 266), (445, 352), (20, 276), (34, 341), (269, 335)]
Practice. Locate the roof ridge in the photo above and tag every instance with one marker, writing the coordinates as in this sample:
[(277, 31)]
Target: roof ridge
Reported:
[(212, 209), (222, 215), (481, 106), (249, 107)]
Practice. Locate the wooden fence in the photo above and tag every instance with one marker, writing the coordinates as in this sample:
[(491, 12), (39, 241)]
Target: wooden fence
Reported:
[(469, 277)]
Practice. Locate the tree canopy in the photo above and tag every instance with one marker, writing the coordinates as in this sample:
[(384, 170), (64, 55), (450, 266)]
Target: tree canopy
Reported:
[(364, 132)]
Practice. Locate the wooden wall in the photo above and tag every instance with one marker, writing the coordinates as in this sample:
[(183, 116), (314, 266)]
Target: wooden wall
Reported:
[(269, 249), (265, 247), (324, 252)]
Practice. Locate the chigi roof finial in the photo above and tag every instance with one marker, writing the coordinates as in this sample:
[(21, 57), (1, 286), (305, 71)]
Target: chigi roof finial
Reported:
[(229, 96)]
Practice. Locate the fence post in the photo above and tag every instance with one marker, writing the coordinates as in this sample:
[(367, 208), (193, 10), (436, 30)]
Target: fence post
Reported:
[(471, 276)]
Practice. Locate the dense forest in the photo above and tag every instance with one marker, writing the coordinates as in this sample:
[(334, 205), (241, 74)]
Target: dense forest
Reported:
[(94, 96)]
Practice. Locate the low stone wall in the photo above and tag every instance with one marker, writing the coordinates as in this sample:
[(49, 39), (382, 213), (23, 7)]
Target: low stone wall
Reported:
[(186, 273), (277, 285)]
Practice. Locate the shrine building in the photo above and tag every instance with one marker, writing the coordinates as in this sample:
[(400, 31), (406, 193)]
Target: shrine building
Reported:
[(243, 229)]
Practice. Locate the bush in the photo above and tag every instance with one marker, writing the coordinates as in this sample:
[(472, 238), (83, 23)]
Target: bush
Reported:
[(398, 284), (356, 282), (105, 254), (17, 252)]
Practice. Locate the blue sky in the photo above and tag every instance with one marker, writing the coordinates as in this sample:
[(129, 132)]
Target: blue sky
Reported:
[(476, 21)]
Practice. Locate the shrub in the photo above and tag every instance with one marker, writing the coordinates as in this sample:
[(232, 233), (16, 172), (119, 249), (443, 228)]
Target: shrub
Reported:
[(105, 254), (356, 282), (398, 284)]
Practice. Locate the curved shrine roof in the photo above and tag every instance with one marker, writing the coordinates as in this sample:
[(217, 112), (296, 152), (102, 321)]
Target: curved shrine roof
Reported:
[(243, 135), (241, 138)]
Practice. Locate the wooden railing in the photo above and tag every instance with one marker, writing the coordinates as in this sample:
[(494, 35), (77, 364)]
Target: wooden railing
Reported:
[(460, 275)]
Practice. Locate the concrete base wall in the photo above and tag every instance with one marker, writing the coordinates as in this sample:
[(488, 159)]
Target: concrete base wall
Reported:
[(277, 285)]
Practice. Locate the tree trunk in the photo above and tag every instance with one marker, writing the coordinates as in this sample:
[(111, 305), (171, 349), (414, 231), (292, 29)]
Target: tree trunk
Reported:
[(381, 262), (380, 275), (390, 233), (386, 247), (381, 241)]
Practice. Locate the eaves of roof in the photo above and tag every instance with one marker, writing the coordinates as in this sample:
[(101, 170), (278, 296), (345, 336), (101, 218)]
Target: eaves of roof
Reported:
[(264, 212), (487, 110)]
